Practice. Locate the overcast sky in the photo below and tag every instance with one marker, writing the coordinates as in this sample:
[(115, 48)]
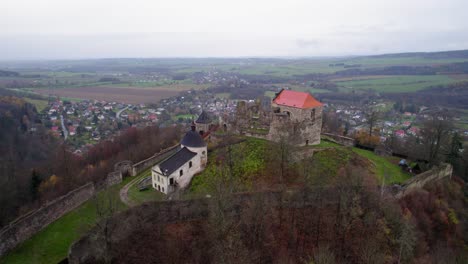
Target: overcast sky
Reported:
[(64, 29)]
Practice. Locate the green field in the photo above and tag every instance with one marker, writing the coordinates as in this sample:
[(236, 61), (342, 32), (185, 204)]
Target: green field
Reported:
[(384, 167), (401, 83), (52, 243), (396, 61), (39, 104), (138, 197)]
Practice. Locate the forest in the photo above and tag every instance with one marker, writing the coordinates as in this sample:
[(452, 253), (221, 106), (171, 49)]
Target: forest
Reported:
[(37, 167), (317, 210)]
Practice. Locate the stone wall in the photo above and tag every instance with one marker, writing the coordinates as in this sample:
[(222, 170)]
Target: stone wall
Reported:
[(345, 141), (300, 126), (442, 171), (153, 160), (113, 178), (27, 225)]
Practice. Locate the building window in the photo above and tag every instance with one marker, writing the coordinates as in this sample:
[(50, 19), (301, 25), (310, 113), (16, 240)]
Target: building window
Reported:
[(171, 181), (159, 179), (181, 172), (190, 164), (162, 189), (203, 153), (312, 115), (159, 188)]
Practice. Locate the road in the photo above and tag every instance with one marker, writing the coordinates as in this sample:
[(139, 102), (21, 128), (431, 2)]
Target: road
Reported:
[(120, 112), (64, 128)]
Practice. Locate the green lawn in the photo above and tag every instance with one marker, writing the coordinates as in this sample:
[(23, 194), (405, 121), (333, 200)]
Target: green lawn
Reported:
[(248, 159), (384, 167), (52, 243), (148, 195)]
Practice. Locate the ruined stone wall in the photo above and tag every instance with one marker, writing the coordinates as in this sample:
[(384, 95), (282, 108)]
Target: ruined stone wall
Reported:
[(27, 225), (300, 126), (153, 160), (419, 181), (345, 141), (114, 178)]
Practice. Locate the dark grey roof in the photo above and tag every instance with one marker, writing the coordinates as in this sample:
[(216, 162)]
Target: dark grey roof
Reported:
[(203, 118), (193, 139), (176, 161)]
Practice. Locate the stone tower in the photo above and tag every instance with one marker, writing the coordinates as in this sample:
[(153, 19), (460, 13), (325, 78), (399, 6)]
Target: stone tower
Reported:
[(297, 118), (203, 123)]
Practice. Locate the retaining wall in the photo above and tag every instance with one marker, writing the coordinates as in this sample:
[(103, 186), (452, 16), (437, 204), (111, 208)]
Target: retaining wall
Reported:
[(442, 171), (27, 225)]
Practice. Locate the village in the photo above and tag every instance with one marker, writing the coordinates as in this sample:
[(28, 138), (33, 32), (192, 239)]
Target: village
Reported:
[(86, 122)]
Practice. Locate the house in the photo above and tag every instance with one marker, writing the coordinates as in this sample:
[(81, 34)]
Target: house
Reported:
[(400, 133), (72, 130), (178, 170), (413, 131), (297, 115)]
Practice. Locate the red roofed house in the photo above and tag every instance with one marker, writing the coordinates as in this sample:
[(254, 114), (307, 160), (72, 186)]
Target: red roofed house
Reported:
[(400, 133), (297, 116)]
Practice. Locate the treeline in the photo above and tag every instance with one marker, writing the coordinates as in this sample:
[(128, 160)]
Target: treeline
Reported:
[(4, 73), (21, 151), (348, 222), (451, 95), (37, 167), (453, 54)]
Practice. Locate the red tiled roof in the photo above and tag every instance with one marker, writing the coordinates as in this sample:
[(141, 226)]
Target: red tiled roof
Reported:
[(296, 99)]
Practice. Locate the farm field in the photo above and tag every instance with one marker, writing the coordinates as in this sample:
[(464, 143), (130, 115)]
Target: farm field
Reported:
[(400, 83), (159, 86), (124, 95)]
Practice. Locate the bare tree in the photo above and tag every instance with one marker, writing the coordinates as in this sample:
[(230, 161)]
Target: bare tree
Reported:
[(406, 240), (372, 117), (106, 205), (436, 135)]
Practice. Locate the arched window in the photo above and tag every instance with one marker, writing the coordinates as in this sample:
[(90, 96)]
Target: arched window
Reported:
[(190, 164), (181, 172), (162, 189)]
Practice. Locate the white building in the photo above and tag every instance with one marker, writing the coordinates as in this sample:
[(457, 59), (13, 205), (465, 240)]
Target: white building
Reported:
[(177, 171)]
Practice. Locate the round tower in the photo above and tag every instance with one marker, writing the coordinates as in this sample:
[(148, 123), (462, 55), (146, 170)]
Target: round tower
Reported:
[(195, 143)]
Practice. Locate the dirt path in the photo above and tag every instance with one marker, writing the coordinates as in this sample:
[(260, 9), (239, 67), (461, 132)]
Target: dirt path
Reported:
[(124, 192)]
